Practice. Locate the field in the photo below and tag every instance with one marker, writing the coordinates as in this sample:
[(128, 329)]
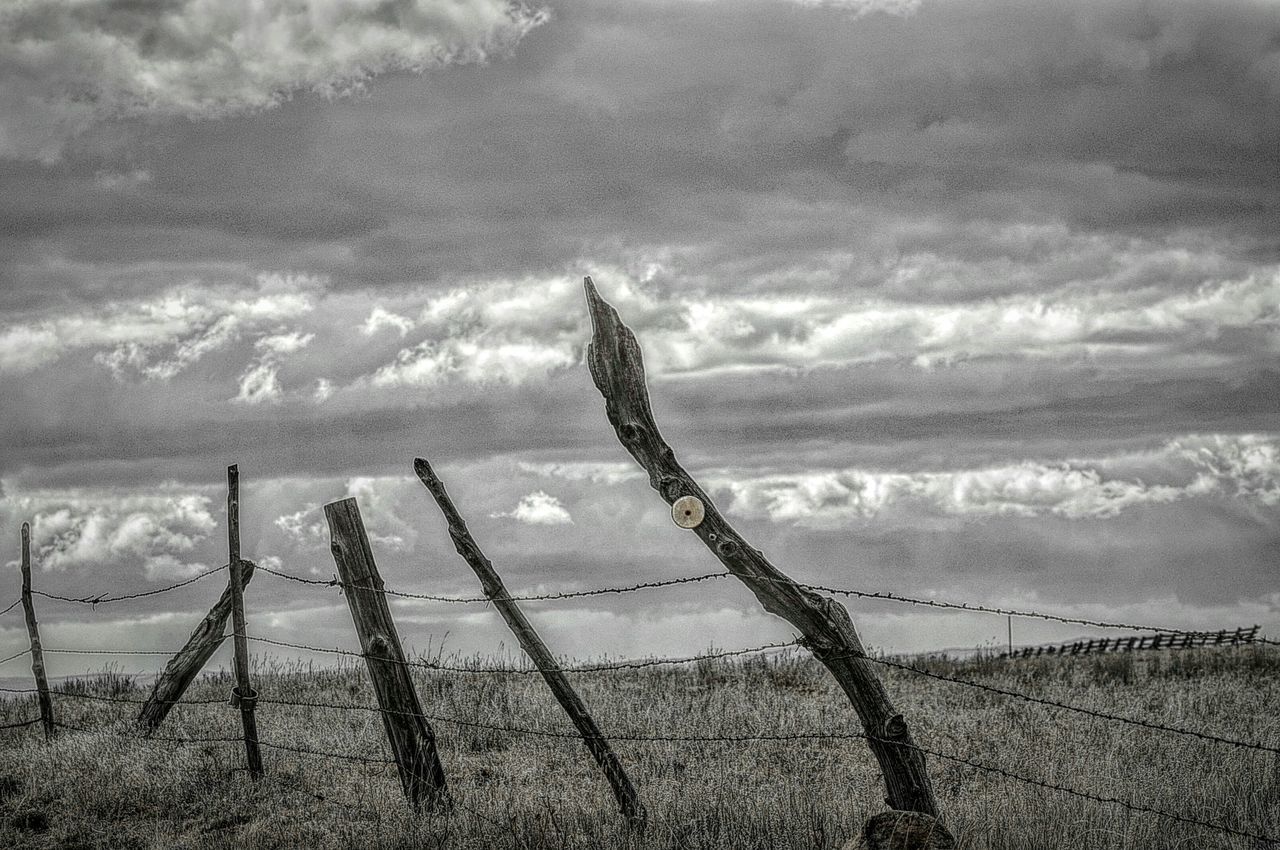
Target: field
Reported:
[(109, 788)]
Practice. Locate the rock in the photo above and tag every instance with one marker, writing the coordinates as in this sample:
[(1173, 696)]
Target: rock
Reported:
[(897, 830)]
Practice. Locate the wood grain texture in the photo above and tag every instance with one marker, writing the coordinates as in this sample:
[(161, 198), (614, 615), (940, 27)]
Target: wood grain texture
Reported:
[(412, 740), (617, 368), (531, 642), (33, 631), (245, 697), (183, 667)]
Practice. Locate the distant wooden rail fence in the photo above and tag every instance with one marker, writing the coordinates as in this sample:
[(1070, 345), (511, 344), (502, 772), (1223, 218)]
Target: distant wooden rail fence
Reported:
[(1182, 640), (826, 632)]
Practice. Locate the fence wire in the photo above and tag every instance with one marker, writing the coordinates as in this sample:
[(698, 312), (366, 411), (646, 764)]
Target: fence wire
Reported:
[(882, 595), (1129, 805)]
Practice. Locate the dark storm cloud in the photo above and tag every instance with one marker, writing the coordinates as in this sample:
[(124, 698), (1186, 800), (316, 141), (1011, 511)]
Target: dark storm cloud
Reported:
[(681, 127)]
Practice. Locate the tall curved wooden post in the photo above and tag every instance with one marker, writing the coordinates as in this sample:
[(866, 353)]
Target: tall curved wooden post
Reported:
[(617, 368)]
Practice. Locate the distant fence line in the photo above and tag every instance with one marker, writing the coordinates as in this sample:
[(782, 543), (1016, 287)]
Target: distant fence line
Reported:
[(1165, 640)]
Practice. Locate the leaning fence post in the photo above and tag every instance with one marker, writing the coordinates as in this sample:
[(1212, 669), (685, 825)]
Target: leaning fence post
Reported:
[(617, 368), (191, 659), (37, 656), (531, 643), (411, 737), (243, 696)]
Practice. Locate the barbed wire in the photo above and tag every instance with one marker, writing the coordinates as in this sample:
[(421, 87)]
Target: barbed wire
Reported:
[(76, 651), (883, 595), (14, 604), (1101, 715), (528, 671), (20, 724), (534, 597), (1266, 840), (710, 739), (26, 651), (103, 598), (1013, 612)]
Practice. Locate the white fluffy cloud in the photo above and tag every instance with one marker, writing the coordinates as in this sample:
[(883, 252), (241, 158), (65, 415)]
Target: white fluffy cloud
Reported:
[(259, 385), (381, 500), (75, 530), (380, 319), (1240, 466), (160, 337), (70, 63), (539, 508), (519, 331)]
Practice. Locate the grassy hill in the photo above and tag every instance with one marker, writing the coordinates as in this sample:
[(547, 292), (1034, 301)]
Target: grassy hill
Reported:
[(110, 788)]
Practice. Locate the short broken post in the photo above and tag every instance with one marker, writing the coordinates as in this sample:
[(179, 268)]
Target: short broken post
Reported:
[(617, 368), (37, 655), (412, 740), (183, 668), (530, 641), (243, 696)]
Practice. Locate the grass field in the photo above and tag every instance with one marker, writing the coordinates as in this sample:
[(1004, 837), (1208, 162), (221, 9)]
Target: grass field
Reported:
[(110, 788)]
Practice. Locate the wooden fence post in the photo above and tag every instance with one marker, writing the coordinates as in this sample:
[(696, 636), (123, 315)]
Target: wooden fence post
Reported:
[(617, 368), (37, 656), (632, 809), (243, 696), (191, 659), (411, 737)]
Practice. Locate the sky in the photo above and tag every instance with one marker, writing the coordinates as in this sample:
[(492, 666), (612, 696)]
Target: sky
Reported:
[(972, 300)]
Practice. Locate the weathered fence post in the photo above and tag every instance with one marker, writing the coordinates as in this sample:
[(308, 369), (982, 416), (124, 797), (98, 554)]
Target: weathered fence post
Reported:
[(37, 656), (243, 696), (411, 737), (191, 659), (632, 809), (617, 368)]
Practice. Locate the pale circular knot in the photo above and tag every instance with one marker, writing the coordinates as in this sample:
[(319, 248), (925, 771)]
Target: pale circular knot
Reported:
[(687, 511)]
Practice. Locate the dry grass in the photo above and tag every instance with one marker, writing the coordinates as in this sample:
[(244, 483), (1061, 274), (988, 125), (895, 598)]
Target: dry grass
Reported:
[(109, 788)]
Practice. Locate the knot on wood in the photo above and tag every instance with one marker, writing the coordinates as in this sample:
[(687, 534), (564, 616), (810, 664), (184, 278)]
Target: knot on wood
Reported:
[(895, 727), (726, 548), (377, 646), (688, 511), (670, 487), (633, 432)]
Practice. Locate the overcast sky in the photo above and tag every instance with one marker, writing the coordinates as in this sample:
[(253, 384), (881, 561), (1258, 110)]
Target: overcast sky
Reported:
[(969, 299)]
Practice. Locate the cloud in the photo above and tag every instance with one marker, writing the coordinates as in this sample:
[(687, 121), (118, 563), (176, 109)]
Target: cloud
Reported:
[(88, 530), (68, 65), (260, 384), (594, 472), (284, 343), (159, 337), (519, 331), (381, 500), (380, 318), (1241, 466), (539, 508)]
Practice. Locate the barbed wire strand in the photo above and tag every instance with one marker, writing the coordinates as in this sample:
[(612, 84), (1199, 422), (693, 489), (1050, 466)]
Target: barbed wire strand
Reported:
[(75, 651), (103, 598), (645, 663), (536, 597), (886, 596), (779, 737), (14, 604), (529, 671), (26, 651), (21, 724), (1101, 715)]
